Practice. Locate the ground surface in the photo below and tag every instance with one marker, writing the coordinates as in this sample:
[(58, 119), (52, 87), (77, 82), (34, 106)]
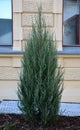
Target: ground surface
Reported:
[(17, 122)]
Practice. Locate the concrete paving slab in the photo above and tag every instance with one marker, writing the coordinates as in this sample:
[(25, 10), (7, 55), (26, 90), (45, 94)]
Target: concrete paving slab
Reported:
[(9, 107), (70, 109), (66, 109)]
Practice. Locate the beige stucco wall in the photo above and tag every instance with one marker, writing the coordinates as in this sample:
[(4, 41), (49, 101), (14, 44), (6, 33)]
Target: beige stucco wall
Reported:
[(9, 75), (71, 64), (23, 15), (10, 64)]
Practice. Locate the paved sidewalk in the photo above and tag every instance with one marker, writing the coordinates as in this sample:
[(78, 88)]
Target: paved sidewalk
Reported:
[(68, 109), (9, 107)]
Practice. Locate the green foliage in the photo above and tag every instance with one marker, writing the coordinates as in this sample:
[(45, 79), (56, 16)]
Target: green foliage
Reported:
[(9, 126), (41, 79)]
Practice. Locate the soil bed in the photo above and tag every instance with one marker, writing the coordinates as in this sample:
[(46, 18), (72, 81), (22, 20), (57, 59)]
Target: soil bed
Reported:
[(17, 122)]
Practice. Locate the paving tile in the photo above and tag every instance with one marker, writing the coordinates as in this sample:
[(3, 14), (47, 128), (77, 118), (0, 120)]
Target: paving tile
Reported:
[(9, 107), (67, 109), (70, 109)]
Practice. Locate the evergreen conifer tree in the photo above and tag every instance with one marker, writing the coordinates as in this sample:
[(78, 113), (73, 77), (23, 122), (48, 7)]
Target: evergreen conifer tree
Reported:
[(41, 79)]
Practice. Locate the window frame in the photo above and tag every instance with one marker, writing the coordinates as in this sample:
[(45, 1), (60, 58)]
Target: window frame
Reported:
[(78, 36), (7, 45)]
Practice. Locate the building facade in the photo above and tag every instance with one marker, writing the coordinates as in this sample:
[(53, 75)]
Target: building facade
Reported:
[(23, 12)]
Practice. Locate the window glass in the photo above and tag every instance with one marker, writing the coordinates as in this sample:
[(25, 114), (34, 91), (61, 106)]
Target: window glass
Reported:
[(71, 22), (5, 22)]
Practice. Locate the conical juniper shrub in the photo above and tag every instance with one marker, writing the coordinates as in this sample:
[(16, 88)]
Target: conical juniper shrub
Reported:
[(41, 79)]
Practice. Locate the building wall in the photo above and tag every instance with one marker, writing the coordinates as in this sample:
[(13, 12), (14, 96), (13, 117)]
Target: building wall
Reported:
[(23, 15), (71, 64), (10, 64)]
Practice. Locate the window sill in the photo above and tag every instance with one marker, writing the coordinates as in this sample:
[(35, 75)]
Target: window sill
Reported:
[(70, 50), (8, 50), (66, 50)]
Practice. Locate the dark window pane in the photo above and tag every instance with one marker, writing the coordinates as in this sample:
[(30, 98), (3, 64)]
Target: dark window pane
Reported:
[(5, 22), (71, 13), (70, 31)]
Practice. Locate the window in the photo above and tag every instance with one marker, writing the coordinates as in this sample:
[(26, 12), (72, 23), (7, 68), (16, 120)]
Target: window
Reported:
[(5, 22), (71, 17)]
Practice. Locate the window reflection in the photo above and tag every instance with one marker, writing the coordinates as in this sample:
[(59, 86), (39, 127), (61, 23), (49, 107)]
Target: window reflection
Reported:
[(71, 22), (5, 22)]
